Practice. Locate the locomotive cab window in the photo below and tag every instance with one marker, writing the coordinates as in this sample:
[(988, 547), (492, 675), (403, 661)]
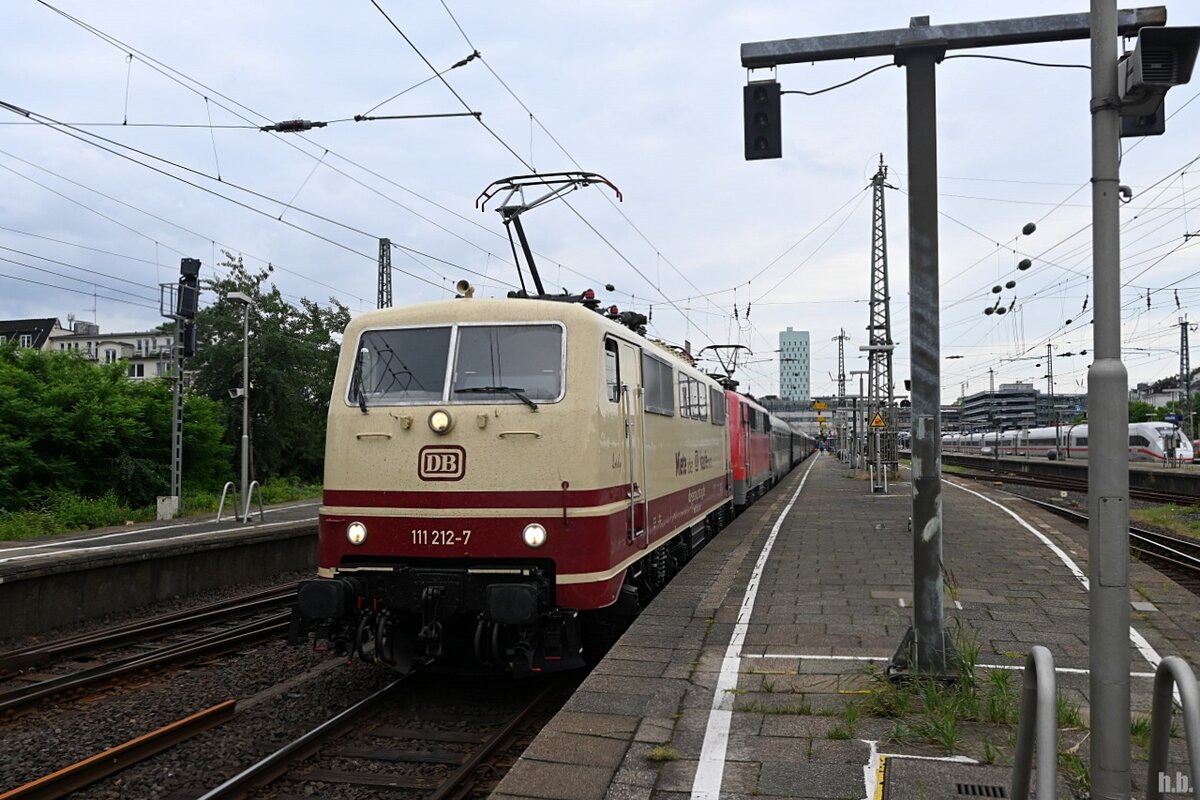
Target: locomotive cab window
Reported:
[(612, 380), (503, 363), (405, 365)]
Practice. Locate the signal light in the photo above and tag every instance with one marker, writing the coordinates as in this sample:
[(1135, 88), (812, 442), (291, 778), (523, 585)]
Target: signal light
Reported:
[(589, 295), (761, 108), (189, 288), (613, 311), (187, 338)]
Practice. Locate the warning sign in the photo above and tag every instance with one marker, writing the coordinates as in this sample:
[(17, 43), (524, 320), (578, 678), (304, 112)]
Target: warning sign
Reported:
[(878, 421)]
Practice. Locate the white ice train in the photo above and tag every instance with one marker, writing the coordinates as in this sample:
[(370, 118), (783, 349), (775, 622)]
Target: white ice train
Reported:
[(1148, 441)]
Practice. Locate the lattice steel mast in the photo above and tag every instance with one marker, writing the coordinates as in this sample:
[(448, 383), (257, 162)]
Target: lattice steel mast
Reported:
[(385, 274), (1185, 376), (880, 399), (841, 379)]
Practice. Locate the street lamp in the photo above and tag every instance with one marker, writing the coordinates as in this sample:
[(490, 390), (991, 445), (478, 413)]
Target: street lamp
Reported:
[(247, 302)]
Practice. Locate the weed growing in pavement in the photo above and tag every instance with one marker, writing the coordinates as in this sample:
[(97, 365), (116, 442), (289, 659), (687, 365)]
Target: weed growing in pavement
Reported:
[(933, 712), (1139, 731), (803, 708), (768, 686), (1142, 593), (901, 733), (1001, 704), (1075, 771), (851, 714), (1068, 714), (663, 753)]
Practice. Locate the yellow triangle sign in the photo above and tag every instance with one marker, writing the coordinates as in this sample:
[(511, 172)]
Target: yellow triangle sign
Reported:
[(878, 421)]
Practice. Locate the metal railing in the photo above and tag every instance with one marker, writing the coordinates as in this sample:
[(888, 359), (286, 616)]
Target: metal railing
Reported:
[(229, 486), (1039, 717), (249, 495), (1172, 673)]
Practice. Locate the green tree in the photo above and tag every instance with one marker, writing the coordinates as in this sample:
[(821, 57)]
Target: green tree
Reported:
[(68, 425), (1141, 411), (293, 356)]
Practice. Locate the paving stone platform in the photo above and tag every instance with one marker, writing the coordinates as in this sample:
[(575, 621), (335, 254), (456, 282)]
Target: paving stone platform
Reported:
[(710, 694)]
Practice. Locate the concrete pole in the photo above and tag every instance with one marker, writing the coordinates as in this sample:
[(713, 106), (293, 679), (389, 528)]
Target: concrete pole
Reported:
[(246, 411), (1108, 438), (928, 623)]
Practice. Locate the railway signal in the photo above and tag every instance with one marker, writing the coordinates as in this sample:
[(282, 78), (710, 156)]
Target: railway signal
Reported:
[(764, 134)]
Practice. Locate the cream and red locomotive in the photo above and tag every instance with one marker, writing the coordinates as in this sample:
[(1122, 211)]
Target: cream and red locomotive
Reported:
[(498, 473), (497, 470)]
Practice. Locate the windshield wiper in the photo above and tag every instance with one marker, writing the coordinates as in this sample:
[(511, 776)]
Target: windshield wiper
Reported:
[(517, 393), (360, 378)]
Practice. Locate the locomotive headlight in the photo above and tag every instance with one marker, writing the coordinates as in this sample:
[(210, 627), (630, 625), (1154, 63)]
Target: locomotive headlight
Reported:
[(356, 532), (534, 535), (440, 421)]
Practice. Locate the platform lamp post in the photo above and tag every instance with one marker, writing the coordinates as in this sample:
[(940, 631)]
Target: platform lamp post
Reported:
[(244, 393)]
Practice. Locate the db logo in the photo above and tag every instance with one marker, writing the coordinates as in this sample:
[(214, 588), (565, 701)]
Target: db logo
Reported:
[(441, 463)]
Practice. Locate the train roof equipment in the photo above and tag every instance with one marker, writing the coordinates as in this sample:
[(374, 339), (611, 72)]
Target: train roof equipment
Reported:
[(514, 204)]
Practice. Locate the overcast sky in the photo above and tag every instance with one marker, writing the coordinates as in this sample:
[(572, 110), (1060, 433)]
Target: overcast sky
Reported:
[(648, 95)]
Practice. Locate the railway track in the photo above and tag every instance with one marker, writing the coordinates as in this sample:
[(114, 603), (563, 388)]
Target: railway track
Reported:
[(1182, 554), (1075, 485), (110, 655), (384, 743)]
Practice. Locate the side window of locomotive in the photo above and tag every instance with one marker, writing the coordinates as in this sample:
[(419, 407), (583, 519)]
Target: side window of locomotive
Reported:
[(1138, 441), (612, 380), (524, 358), (406, 365), (699, 400), (717, 401), (693, 400), (660, 387)]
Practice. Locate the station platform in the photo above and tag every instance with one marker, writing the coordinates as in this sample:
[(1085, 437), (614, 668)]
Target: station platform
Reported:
[(759, 670), (60, 580)]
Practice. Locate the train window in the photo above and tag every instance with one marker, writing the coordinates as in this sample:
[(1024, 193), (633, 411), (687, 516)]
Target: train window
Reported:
[(717, 401), (1138, 441), (612, 379), (509, 358), (660, 389), (693, 399), (407, 365)]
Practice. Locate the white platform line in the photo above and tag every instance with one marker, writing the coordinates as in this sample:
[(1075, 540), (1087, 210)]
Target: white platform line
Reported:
[(59, 541), (125, 545), (884, 659), (1144, 647), (711, 769)]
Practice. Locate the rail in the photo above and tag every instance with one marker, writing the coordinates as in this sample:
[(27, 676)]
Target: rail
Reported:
[(1172, 673), (1039, 701), (84, 773), (277, 763)]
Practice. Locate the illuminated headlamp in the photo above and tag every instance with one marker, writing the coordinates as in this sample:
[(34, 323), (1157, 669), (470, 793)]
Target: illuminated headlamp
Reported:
[(534, 535), (356, 532), (440, 421)]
